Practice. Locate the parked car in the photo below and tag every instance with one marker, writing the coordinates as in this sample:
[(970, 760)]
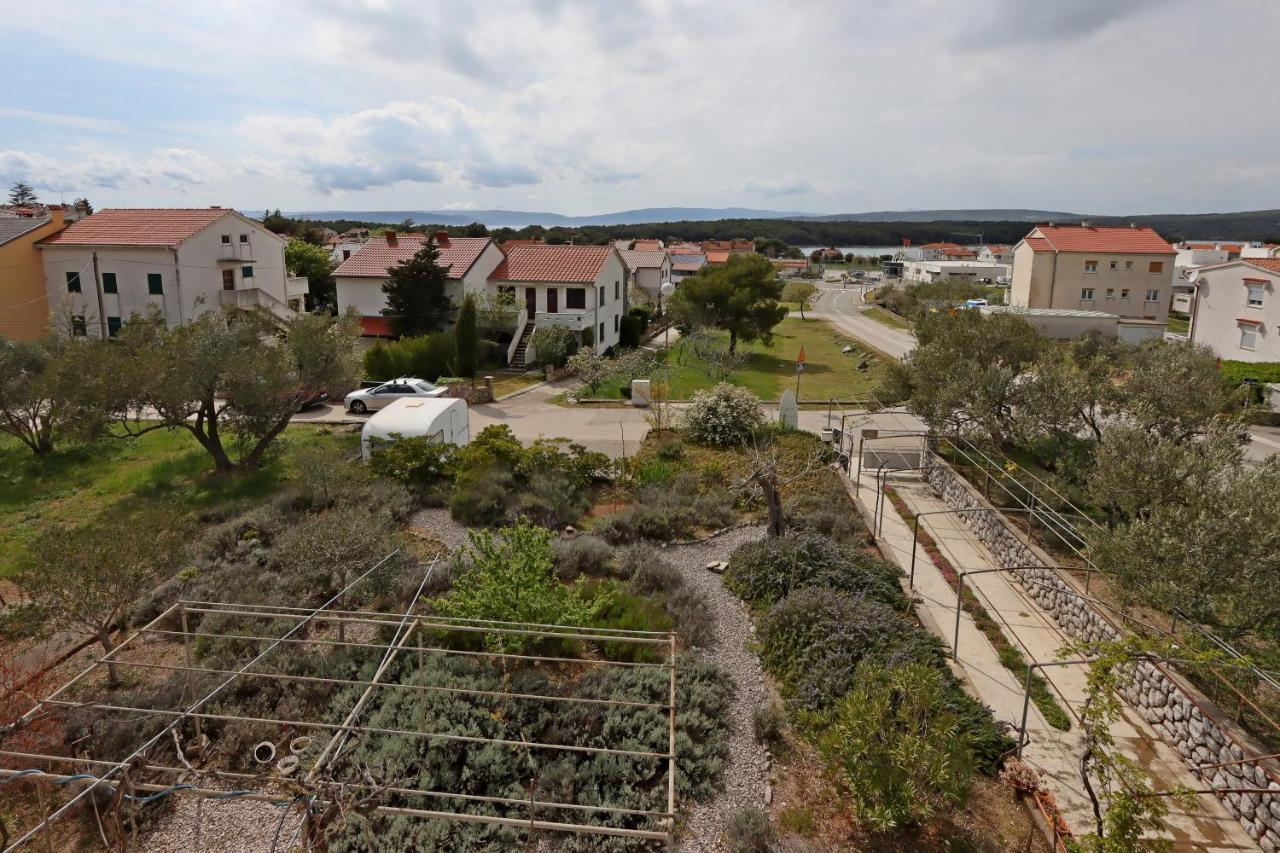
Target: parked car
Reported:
[(371, 399)]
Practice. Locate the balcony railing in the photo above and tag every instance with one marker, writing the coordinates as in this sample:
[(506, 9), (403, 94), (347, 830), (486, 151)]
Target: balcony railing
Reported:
[(295, 286), (253, 297), (574, 322), (235, 253)]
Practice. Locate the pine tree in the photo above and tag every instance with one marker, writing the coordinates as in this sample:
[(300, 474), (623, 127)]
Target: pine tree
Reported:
[(21, 194), (466, 334), (82, 206), (417, 301)]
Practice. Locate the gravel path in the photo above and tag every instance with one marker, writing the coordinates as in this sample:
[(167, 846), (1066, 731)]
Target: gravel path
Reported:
[(746, 775), (440, 525), (226, 826)]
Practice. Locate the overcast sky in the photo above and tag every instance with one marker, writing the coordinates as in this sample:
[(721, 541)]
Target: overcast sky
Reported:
[(1094, 106)]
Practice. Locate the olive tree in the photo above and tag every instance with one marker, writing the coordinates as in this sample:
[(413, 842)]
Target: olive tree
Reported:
[(231, 376), (1174, 390), (88, 577), (51, 389), (740, 297)]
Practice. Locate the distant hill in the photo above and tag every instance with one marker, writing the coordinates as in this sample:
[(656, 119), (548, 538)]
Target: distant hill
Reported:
[(525, 218), (978, 215)]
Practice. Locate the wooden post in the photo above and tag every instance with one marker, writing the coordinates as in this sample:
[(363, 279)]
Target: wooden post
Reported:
[(186, 652)]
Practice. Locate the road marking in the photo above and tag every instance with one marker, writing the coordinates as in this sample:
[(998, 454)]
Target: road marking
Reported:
[(1262, 438)]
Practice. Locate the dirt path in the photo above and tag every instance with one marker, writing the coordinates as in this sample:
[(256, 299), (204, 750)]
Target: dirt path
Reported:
[(747, 772)]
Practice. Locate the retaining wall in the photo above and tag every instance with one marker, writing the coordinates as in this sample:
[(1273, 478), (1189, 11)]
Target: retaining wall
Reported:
[(1172, 708)]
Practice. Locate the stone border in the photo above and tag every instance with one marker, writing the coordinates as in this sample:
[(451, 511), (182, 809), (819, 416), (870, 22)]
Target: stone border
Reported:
[(1171, 707)]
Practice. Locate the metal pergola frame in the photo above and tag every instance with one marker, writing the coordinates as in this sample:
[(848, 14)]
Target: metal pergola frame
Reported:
[(313, 788)]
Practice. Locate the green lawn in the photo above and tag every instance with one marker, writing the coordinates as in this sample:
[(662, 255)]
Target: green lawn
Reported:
[(769, 369), (1179, 325), (888, 318), (111, 479)]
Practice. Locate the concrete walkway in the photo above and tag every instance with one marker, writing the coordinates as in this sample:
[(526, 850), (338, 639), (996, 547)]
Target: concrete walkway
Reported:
[(1055, 753)]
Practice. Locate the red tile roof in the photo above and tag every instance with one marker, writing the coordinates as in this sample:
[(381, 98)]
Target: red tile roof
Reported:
[(941, 246), (375, 327), (1111, 239), (1038, 244), (507, 244), (373, 258), (996, 248), (647, 246), (124, 226), (1230, 247), (718, 257), (552, 263), (1201, 246), (1272, 264)]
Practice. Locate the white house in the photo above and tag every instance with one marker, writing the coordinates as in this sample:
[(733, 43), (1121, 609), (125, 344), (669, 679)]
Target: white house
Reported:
[(182, 261), (359, 278), (996, 253), (1260, 250), (685, 264), (582, 288), (648, 270), (969, 271), (1237, 309)]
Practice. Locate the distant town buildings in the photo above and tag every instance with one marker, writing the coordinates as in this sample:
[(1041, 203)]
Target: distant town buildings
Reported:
[(180, 261), (978, 272), (648, 269), (1125, 271)]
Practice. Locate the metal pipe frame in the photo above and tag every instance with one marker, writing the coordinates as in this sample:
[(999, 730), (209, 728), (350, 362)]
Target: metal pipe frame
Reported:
[(319, 786)]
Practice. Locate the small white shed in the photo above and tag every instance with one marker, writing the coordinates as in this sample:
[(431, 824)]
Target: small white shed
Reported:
[(444, 419)]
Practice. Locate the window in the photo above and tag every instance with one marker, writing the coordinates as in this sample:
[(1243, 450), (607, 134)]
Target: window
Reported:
[(1155, 267), (78, 327), (1090, 266), (575, 297), (73, 282), (1086, 293), (155, 284), (617, 290), (1255, 296), (226, 239), (1153, 296), (113, 326), (615, 322), (1114, 264), (1128, 265), (109, 283), (1111, 293), (601, 338), (346, 253), (228, 279), (244, 238), (600, 297), (1248, 336), (1124, 293), (247, 272)]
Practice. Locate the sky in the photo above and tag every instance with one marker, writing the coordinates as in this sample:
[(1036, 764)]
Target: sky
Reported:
[(1090, 106)]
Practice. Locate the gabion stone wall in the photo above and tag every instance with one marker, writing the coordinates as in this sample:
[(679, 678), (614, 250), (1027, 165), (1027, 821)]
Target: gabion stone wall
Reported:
[(1166, 705)]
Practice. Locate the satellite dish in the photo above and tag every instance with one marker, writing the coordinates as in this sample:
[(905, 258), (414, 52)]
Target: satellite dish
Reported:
[(667, 288), (1193, 275)]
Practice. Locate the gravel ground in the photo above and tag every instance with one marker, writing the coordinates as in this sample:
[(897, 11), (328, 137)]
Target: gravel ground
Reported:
[(226, 826), (440, 525), (746, 775)]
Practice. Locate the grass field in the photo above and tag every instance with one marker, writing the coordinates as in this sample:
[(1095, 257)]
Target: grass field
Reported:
[(108, 481), (1179, 325), (888, 318), (828, 372)]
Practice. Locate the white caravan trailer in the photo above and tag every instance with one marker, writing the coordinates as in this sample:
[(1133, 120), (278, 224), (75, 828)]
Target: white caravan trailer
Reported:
[(442, 419)]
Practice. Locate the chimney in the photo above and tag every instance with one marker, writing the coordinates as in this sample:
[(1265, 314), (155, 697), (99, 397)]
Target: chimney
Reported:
[(1084, 223), (442, 239), (392, 240), (57, 216)]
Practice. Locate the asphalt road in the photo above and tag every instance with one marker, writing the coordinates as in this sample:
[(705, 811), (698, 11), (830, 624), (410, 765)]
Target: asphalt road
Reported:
[(843, 308)]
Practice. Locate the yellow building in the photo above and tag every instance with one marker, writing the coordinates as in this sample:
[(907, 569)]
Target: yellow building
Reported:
[(24, 302)]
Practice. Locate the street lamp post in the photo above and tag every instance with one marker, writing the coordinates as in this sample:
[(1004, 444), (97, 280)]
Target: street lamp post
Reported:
[(666, 289)]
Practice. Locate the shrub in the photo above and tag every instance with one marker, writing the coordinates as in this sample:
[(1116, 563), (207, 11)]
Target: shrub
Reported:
[(766, 571), (749, 831), (670, 450), (553, 345), (630, 330), (827, 511), (466, 334), (426, 356), (814, 639), (481, 499), (654, 472), (628, 610), (583, 555), (416, 461), (662, 513), (656, 576), (691, 614), (511, 578), (581, 467), (550, 499), (904, 756), (632, 558), (725, 415), (767, 722)]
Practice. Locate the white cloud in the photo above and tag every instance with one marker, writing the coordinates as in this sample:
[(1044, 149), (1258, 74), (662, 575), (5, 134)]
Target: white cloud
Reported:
[(171, 169)]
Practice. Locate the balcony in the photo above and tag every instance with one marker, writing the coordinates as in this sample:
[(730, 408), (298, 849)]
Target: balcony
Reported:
[(296, 286), (250, 298), (574, 322), (235, 253)]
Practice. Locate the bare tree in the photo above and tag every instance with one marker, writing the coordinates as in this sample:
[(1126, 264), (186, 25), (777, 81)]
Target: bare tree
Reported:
[(768, 474)]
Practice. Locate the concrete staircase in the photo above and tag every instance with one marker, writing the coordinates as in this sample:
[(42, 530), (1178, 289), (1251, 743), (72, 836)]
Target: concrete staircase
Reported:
[(517, 361)]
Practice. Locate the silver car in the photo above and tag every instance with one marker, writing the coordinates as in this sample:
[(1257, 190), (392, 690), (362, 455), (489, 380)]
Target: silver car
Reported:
[(370, 399)]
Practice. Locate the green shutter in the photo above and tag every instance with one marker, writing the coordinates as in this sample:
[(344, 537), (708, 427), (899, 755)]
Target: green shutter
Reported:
[(155, 284), (109, 283), (73, 282), (113, 326)]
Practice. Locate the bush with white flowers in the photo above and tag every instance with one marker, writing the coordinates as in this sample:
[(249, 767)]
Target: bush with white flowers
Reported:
[(725, 415)]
